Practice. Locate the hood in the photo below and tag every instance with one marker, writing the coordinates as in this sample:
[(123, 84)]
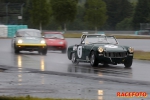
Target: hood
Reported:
[(30, 39), (111, 47), (55, 41)]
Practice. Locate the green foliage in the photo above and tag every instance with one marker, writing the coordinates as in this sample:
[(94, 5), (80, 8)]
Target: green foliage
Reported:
[(64, 10), (13, 1), (142, 13), (78, 23), (111, 15), (40, 12), (95, 13), (125, 24), (26, 14), (117, 10), (133, 1)]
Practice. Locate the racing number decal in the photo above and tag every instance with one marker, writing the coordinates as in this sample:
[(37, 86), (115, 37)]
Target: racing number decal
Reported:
[(79, 51)]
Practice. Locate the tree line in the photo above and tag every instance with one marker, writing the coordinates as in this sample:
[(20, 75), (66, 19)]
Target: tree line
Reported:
[(85, 14)]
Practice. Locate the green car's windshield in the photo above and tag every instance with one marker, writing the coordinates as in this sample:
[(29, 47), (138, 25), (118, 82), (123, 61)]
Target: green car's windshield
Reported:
[(29, 34), (100, 39), (57, 36)]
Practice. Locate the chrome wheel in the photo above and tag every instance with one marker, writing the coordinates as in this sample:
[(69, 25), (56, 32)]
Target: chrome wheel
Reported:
[(92, 59), (73, 58)]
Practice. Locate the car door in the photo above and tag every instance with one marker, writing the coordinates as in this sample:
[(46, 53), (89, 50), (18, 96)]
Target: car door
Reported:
[(81, 50), (87, 49)]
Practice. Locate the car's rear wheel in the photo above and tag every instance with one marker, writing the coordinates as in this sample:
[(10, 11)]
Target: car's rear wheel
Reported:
[(63, 51), (93, 60), (73, 59), (128, 63)]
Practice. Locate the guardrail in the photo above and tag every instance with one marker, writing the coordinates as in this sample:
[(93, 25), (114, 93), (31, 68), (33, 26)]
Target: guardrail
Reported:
[(10, 30), (92, 32)]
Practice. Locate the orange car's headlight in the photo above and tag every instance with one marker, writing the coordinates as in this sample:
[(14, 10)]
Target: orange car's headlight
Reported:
[(19, 41)]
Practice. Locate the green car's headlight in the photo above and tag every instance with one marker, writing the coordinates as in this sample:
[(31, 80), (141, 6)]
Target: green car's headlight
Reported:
[(19, 41), (131, 50), (43, 41), (100, 49)]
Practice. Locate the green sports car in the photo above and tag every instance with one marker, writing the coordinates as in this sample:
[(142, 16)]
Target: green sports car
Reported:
[(29, 40), (99, 48)]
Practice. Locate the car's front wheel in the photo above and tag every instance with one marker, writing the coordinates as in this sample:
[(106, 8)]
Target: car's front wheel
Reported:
[(42, 51), (16, 51), (73, 59), (93, 60), (128, 63)]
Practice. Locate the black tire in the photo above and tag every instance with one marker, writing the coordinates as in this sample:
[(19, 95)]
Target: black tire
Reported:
[(93, 60), (16, 51), (63, 51), (128, 63), (39, 51), (44, 51), (73, 59)]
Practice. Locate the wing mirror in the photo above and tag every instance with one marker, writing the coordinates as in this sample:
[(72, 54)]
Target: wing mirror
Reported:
[(43, 36)]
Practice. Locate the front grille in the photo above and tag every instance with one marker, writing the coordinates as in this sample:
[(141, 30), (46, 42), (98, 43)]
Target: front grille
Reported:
[(115, 54), (30, 48)]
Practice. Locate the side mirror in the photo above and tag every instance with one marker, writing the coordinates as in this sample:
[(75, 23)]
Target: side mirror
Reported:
[(43, 36), (14, 36)]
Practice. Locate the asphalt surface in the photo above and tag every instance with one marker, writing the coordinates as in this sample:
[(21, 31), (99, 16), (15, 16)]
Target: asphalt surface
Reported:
[(54, 70), (58, 62), (23, 82)]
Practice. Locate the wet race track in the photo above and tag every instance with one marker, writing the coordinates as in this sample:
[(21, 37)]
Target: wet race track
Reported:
[(58, 62)]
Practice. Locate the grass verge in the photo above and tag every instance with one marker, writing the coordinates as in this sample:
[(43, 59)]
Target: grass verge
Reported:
[(142, 55), (78, 35), (29, 98)]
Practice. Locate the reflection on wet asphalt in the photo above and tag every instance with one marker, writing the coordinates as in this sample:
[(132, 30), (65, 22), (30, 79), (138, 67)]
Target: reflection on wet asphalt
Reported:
[(102, 70), (56, 61), (61, 64)]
